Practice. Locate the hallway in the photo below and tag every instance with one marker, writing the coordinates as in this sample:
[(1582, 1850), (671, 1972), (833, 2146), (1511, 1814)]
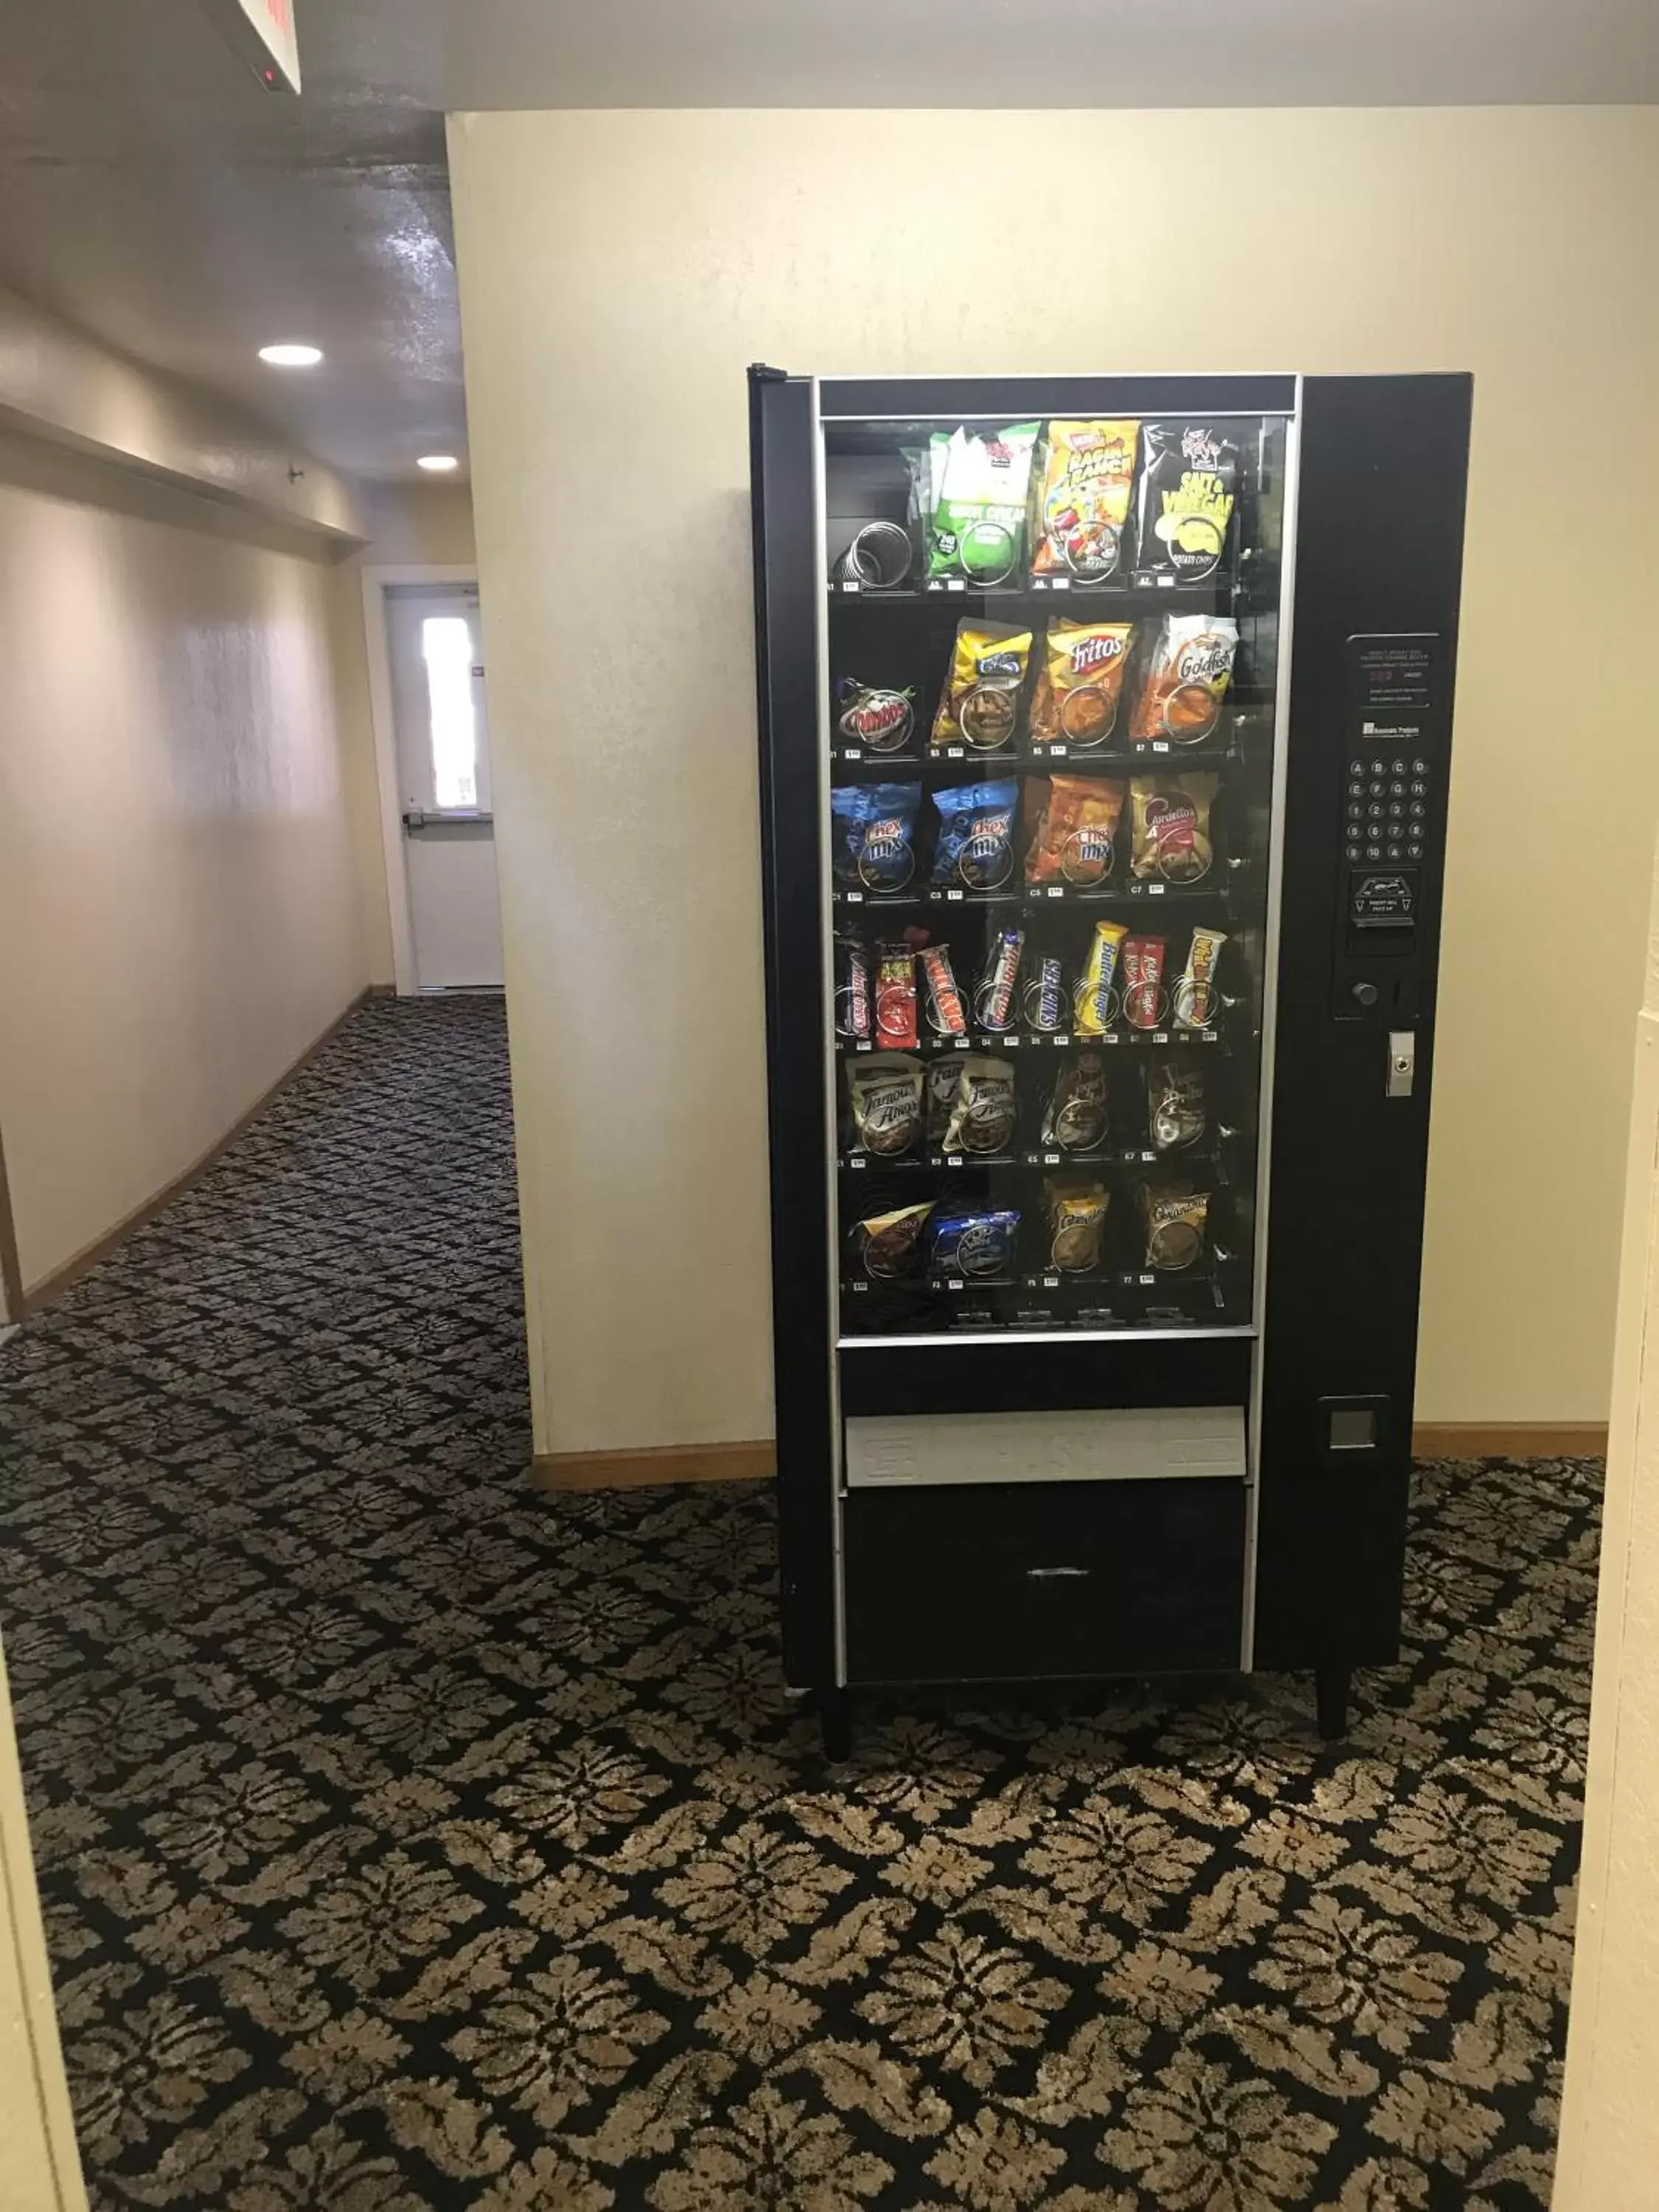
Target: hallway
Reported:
[(410, 1840)]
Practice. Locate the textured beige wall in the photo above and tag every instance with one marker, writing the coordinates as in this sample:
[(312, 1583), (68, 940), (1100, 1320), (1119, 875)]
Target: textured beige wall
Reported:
[(1609, 2147), (618, 270), (178, 904)]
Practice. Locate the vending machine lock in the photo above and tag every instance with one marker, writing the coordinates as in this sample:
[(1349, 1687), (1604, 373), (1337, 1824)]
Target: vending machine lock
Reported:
[(1402, 1063)]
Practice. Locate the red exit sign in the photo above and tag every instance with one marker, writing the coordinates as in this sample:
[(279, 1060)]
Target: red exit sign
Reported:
[(262, 32)]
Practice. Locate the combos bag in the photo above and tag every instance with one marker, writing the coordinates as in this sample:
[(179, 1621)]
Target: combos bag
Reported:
[(1072, 821), (1086, 480), (1187, 679), (1188, 483), (885, 1091), (1080, 682), (977, 526), (979, 703), (1172, 837), (976, 845), (874, 835)]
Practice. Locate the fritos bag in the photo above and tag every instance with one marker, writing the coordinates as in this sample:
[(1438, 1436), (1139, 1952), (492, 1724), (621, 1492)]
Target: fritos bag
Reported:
[(1080, 682)]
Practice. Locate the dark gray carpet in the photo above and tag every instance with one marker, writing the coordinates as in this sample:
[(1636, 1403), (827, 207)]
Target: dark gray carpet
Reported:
[(411, 1841)]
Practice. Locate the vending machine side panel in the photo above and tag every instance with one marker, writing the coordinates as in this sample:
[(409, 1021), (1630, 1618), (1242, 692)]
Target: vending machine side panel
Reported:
[(1380, 539), (783, 436)]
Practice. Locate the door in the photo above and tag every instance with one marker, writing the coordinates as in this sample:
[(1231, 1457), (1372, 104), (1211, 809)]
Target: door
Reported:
[(443, 767)]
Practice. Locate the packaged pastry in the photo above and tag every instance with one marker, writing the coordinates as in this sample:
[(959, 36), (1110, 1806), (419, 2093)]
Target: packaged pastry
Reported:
[(1076, 1118), (852, 1011), (971, 1240), (983, 1117), (1096, 1005), (945, 1010), (1077, 1223), (975, 844), (1196, 999), (1143, 981), (1175, 1102), (1188, 482), (1087, 475), (978, 521), (1080, 682), (889, 1244), (885, 1091), (1072, 821), (873, 845), (1175, 1219), (994, 1004), (1172, 826), (943, 1081), (873, 716), (896, 997), (1185, 679), (980, 704)]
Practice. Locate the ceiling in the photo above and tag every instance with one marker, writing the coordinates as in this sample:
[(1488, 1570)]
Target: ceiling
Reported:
[(153, 194)]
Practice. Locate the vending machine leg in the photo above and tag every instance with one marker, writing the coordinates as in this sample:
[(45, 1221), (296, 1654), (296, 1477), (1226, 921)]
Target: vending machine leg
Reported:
[(1331, 1685), (836, 1723)]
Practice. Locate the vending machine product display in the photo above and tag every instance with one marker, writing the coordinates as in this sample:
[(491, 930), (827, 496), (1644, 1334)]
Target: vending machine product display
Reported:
[(1105, 729)]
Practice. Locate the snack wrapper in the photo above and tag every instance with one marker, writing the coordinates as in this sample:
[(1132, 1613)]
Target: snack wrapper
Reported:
[(944, 1082), (1072, 821), (1176, 1221), (975, 843), (1143, 980), (1045, 998), (1097, 1000), (983, 1118), (896, 997), (974, 1240), (1076, 1119), (945, 1008), (1088, 473), (1172, 826), (1188, 482), (980, 704), (1077, 1223), (1196, 999), (873, 716), (889, 1244), (885, 1091), (1187, 679), (1175, 1103), (977, 527), (872, 846), (994, 1002), (1080, 683), (853, 1013)]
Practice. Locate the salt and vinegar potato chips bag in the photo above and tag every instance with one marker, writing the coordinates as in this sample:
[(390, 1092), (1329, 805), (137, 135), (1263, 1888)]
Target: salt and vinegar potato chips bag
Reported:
[(1172, 827), (979, 517), (1080, 683), (1073, 824), (1086, 481), (1188, 482), (1185, 679), (978, 706)]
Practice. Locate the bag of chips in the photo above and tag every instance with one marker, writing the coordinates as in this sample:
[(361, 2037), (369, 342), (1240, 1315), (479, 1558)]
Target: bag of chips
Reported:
[(873, 834), (1175, 1103), (975, 844), (1076, 1118), (974, 1240), (889, 1244), (1086, 478), (978, 522), (983, 1118), (1073, 823), (1172, 826), (1080, 682), (980, 704), (885, 1091), (1077, 1223), (1175, 1219), (1187, 679), (1188, 482)]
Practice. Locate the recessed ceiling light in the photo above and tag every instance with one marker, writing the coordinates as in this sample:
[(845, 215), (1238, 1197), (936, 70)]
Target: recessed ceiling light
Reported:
[(291, 356), (439, 463)]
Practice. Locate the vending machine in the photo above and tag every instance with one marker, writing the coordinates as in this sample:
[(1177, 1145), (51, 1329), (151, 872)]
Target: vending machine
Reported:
[(1105, 730)]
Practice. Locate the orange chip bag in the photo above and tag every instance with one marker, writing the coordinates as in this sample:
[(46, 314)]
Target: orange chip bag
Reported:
[(1172, 826), (1073, 824), (1187, 679), (1080, 682), (1086, 476)]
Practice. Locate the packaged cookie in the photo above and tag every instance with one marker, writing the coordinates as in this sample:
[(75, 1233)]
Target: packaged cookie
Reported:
[(890, 1245), (1175, 1102), (978, 706), (974, 1240), (885, 1091), (944, 1082), (1076, 1116), (1087, 476), (1186, 680), (1175, 1219), (1077, 1223), (1080, 683), (1172, 826), (984, 1115), (1073, 825), (1188, 483)]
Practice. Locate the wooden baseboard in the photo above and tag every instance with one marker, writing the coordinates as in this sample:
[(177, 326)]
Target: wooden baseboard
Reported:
[(50, 1287), (629, 1470), (1509, 1440)]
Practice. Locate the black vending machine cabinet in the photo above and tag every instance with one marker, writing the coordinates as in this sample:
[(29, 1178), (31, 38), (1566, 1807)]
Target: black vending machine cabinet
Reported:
[(1105, 729)]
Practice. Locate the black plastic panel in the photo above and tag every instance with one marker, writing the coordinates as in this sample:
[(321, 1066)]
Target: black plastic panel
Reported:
[(1011, 1377), (1014, 398)]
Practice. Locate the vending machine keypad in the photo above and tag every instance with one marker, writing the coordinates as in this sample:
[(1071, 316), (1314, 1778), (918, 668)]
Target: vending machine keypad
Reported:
[(1389, 786)]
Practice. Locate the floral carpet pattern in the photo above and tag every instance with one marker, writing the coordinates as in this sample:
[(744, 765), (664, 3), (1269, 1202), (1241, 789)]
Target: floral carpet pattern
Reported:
[(409, 1840)]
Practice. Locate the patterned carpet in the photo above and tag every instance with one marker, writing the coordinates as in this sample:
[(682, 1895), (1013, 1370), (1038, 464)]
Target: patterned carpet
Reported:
[(411, 1841)]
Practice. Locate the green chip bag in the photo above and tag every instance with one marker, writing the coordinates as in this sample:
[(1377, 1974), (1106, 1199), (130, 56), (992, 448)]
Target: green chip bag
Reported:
[(978, 528)]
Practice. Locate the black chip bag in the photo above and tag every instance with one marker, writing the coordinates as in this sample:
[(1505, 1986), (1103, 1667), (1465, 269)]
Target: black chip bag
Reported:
[(1188, 484)]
